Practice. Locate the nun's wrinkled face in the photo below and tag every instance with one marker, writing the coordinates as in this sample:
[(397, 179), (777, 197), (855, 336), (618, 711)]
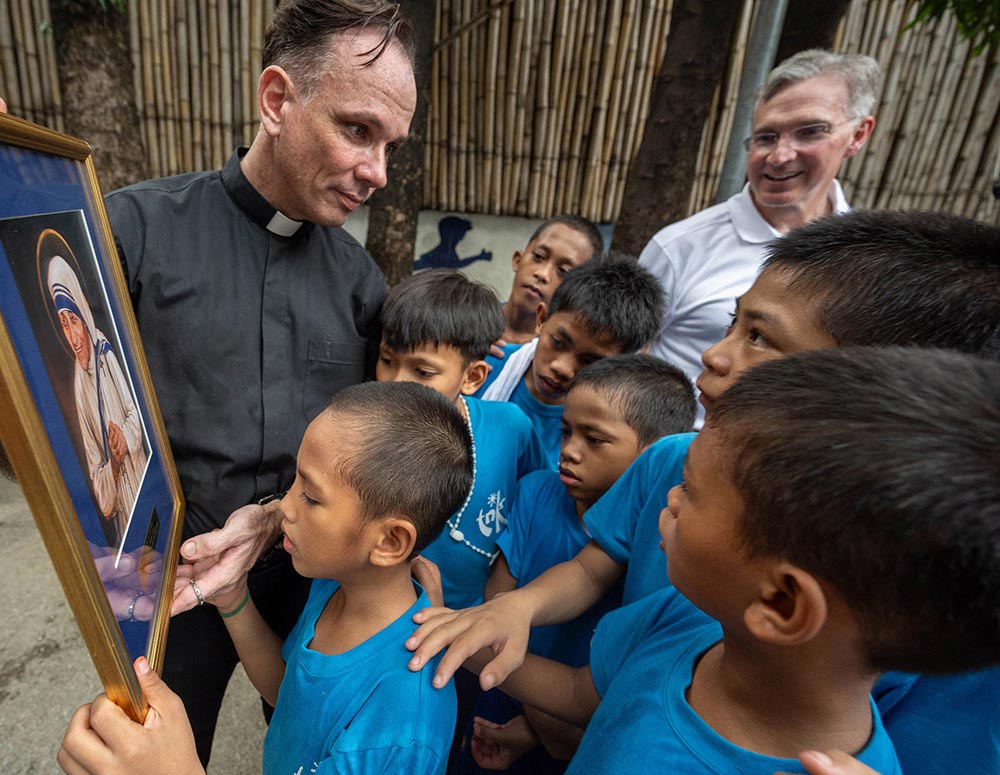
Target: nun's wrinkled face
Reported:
[(75, 331)]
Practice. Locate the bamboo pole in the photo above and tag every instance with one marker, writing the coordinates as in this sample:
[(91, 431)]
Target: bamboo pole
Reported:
[(490, 107), (542, 107), (183, 77), (565, 38), (600, 113), (619, 127), (47, 58), (226, 50), (9, 69), (586, 97), (501, 140), (581, 98), (514, 85), (525, 131), (949, 168), (26, 107), (171, 91), (566, 130), (980, 167)]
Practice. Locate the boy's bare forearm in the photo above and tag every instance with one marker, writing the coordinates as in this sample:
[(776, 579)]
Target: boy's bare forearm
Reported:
[(259, 650), (564, 692), (567, 590), (559, 738)]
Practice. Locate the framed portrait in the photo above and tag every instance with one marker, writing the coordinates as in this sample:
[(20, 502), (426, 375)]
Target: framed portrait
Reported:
[(78, 417)]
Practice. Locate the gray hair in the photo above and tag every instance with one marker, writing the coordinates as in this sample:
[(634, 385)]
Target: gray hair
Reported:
[(861, 72)]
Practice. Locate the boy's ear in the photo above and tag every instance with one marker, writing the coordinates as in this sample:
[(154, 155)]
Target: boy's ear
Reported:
[(540, 317), (395, 538), (274, 89), (790, 607), (515, 262), (475, 375)]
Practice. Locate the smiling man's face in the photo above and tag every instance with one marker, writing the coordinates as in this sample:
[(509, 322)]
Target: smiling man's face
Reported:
[(793, 175)]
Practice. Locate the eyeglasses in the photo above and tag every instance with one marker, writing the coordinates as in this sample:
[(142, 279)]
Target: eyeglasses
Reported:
[(798, 137)]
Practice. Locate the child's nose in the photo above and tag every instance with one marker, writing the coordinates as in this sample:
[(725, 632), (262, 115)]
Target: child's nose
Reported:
[(716, 360), (570, 450)]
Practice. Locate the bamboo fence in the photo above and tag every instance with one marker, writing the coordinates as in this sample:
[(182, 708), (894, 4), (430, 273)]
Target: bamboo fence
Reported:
[(538, 106)]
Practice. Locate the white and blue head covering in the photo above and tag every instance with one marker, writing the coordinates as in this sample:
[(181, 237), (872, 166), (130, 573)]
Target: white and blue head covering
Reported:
[(67, 293)]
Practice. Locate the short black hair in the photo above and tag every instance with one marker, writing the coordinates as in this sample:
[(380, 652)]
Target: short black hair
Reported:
[(301, 30), (878, 470), (577, 223), (613, 296), (442, 306), (654, 397), (899, 278), (410, 455)]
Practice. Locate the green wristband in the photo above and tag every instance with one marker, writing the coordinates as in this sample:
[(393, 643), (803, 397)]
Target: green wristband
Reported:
[(238, 608)]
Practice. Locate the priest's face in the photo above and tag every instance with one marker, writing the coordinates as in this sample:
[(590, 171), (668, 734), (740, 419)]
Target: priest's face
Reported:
[(333, 141)]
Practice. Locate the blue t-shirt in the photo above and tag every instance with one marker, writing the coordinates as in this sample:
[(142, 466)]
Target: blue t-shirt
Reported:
[(507, 448), (361, 711), (544, 530), (942, 725), (625, 520), (547, 419), (642, 660)]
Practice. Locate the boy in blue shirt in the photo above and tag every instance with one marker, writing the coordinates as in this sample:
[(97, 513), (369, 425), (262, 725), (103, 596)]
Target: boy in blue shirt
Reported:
[(863, 278), (437, 327), (820, 535), (607, 306), (377, 474), (616, 408), (557, 246)]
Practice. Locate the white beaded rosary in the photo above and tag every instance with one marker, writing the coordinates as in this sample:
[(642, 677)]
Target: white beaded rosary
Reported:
[(453, 527)]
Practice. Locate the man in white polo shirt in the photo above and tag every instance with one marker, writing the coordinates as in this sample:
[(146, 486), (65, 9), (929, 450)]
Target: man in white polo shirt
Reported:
[(813, 111)]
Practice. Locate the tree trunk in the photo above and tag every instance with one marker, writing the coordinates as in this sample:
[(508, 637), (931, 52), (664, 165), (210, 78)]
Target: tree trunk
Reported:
[(95, 74), (810, 24), (661, 175), (392, 215)]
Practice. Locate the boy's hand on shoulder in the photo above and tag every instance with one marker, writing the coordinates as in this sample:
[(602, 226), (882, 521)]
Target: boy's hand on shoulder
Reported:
[(102, 740), (496, 349), (500, 625), (831, 763)]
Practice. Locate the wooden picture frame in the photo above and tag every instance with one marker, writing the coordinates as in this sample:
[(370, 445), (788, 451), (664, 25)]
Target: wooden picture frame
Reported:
[(78, 416)]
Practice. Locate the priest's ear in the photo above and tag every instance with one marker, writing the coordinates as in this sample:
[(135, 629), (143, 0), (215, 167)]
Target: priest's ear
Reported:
[(275, 90)]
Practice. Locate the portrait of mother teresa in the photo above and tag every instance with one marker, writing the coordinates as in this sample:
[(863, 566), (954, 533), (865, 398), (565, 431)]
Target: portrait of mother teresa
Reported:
[(109, 421)]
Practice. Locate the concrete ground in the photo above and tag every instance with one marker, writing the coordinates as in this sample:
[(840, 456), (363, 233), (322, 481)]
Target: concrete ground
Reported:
[(46, 672)]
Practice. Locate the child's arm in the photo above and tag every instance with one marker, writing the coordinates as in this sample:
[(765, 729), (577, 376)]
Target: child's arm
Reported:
[(568, 693), (258, 647), (500, 580), (559, 738), (563, 592)]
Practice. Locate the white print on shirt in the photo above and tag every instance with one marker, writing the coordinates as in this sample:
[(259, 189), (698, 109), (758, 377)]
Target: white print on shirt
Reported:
[(300, 771), (493, 517)]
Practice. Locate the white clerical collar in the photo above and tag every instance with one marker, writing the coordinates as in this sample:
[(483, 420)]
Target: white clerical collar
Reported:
[(282, 225)]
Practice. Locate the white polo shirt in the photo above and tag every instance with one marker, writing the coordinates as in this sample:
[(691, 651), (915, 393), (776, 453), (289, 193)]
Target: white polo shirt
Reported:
[(704, 263)]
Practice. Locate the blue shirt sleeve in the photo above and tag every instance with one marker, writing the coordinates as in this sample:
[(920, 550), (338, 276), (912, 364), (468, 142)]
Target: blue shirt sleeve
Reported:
[(616, 637), (614, 520)]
